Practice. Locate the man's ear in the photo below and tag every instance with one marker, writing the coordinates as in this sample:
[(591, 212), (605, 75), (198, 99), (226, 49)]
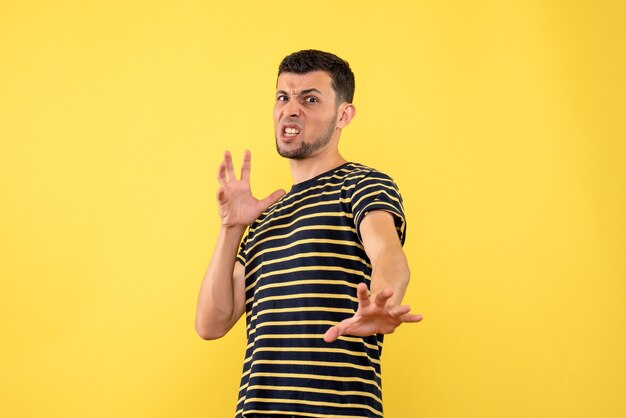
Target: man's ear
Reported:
[(346, 113)]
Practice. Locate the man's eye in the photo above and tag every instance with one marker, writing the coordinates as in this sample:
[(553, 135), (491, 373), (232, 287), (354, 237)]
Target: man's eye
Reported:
[(311, 99), (281, 98)]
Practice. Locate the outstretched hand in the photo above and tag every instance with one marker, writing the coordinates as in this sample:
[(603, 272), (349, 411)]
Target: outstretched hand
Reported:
[(237, 205), (372, 316)]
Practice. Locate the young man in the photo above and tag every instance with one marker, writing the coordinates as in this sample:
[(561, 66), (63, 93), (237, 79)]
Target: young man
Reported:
[(302, 271)]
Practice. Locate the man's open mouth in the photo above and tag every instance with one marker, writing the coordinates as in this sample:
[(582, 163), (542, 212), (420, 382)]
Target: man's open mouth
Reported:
[(290, 131)]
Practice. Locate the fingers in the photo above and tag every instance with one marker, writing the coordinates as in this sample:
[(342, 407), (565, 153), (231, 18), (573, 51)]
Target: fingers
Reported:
[(332, 334), (221, 174), (230, 168), (399, 310), (411, 318), (342, 328), (245, 168), (402, 313), (383, 297), (271, 199), (226, 170), (362, 295)]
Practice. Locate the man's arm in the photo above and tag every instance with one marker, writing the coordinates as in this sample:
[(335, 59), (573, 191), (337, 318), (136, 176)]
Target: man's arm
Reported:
[(390, 268), (381, 312), (222, 293), (221, 301)]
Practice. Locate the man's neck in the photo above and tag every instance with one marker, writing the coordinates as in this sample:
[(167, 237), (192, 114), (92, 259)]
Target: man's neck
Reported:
[(306, 169)]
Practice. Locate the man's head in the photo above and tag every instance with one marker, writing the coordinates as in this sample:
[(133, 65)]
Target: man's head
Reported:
[(314, 93), (309, 60)]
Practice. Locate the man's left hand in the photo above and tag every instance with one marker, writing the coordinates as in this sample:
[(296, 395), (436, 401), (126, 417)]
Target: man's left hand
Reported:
[(372, 316)]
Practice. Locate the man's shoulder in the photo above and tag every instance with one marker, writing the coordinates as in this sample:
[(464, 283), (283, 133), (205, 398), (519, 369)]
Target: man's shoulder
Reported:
[(363, 171), (354, 168)]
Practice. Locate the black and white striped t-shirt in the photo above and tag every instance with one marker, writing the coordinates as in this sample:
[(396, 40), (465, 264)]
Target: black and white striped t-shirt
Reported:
[(304, 259)]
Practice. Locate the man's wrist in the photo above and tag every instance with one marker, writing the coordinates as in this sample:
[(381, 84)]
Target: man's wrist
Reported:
[(234, 229)]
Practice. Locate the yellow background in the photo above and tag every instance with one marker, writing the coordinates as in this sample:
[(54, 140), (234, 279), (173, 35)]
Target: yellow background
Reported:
[(501, 121)]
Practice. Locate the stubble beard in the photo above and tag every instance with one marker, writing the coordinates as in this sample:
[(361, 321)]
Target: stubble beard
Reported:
[(309, 148)]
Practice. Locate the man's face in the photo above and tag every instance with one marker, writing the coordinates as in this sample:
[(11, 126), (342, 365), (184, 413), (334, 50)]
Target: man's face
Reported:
[(305, 114)]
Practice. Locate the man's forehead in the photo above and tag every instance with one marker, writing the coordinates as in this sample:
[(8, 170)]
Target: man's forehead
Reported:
[(295, 83)]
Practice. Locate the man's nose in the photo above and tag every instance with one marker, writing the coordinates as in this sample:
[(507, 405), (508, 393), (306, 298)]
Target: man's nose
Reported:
[(292, 109)]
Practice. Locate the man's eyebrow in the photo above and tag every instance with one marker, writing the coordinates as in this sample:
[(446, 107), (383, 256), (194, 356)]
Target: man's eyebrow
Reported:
[(310, 91), (307, 91)]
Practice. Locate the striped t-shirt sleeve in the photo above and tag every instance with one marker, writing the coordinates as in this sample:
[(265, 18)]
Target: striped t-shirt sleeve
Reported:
[(377, 191)]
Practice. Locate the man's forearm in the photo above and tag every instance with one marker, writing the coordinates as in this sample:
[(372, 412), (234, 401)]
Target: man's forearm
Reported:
[(390, 270), (218, 308)]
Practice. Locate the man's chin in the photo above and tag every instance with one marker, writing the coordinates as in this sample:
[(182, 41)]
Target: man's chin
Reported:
[(292, 155), (297, 154), (305, 150)]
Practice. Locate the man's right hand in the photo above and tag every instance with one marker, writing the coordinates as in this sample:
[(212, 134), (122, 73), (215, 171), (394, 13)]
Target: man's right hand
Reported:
[(237, 206)]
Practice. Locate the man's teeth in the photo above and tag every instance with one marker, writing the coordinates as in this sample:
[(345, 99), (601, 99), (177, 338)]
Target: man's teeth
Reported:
[(291, 131)]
